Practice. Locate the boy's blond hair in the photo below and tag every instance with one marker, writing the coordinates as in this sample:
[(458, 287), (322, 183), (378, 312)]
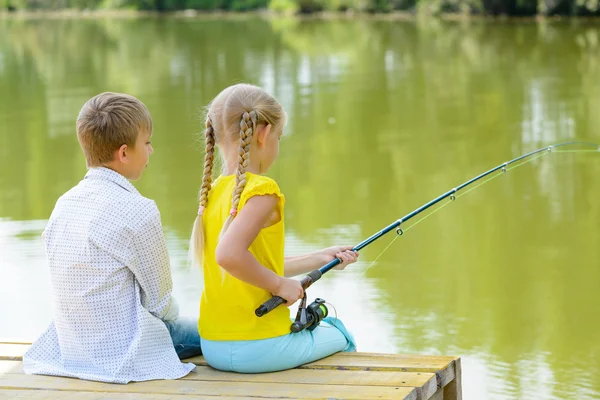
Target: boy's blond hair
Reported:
[(108, 121)]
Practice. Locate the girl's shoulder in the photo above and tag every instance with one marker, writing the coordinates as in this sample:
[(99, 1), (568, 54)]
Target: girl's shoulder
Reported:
[(260, 185)]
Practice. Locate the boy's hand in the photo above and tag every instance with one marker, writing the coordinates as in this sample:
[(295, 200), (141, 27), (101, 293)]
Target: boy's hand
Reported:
[(290, 289), (344, 253), (173, 312)]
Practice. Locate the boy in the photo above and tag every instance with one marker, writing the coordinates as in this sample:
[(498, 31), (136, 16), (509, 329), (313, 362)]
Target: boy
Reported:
[(114, 317)]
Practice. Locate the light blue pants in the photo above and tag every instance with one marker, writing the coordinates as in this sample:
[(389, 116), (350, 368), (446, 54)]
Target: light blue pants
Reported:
[(279, 353)]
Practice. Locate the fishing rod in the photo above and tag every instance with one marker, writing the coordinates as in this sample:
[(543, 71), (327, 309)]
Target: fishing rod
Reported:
[(309, 318)]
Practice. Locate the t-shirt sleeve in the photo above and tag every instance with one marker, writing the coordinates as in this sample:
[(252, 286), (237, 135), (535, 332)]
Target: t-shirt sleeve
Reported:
[(263, 186)]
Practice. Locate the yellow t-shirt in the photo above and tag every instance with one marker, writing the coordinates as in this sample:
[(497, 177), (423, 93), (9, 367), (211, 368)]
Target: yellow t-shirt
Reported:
[(227, 305)]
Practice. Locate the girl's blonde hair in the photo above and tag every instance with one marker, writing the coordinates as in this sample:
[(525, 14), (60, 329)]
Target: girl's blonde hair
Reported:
[(232, 117)]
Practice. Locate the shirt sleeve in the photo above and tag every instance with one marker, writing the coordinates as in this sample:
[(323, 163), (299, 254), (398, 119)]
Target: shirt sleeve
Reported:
[(263, 186), (151, 268)]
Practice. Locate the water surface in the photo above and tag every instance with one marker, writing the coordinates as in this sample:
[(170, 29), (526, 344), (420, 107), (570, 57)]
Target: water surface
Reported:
[(384, 116)]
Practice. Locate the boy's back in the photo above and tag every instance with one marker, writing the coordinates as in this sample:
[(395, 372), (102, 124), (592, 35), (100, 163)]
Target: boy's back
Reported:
[(100, 233)]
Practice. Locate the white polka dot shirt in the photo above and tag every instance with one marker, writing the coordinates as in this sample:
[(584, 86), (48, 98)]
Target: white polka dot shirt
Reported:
[(111, 286)]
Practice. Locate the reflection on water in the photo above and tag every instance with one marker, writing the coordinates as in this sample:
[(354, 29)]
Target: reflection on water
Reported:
[(383, 117)]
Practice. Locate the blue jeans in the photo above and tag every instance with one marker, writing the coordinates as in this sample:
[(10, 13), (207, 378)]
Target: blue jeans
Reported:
[(184, 333), (279, 353)]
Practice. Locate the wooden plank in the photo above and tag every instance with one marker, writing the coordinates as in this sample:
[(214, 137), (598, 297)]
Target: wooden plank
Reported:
[(386, 363), (11, 367), (11, 351), (62, 395), (448, 359), (364, 362), (208, 388), (321, 377), (14, 341), (453, 390), (393, 361), (439, 395)]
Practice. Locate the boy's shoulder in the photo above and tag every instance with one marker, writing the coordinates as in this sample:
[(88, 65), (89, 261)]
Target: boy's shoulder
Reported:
[(112, 200)]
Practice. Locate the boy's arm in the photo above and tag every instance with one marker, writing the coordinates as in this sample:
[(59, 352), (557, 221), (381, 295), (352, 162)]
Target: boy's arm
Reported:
[(152, 268)]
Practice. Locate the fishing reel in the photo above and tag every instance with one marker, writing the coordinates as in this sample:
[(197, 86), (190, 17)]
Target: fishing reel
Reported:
[(309, 317)]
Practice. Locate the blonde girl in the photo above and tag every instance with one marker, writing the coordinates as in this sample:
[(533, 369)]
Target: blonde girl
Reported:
[(238, 238)]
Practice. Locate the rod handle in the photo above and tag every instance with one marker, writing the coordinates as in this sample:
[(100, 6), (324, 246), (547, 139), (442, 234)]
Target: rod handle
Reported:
[(269, 306), (276, 301)]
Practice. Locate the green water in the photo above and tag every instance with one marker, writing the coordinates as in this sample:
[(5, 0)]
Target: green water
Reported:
[(384, 116)]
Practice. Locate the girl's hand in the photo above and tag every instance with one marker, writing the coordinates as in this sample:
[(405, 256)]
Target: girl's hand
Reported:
[(289, 289), (344, 253)]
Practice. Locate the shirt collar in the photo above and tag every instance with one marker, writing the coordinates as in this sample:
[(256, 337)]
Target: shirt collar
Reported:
[(107, 174)]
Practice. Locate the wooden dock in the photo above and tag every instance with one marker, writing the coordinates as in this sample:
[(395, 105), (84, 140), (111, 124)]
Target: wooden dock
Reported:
[(341, 376)]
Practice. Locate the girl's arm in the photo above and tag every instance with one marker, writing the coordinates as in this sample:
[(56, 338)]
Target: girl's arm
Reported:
[(303, 264), (232, 252)]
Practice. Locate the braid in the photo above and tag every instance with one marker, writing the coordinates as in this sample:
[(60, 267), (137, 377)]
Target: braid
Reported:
[(208, 166), (247, 128), (197, 239)]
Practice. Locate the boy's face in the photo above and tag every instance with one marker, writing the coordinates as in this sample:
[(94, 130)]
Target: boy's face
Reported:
[(139, 155)]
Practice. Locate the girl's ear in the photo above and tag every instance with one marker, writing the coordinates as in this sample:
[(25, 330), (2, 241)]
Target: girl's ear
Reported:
[(262, 132)]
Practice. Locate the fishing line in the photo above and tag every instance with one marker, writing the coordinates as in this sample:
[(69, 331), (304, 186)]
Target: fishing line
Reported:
[(503, 171)]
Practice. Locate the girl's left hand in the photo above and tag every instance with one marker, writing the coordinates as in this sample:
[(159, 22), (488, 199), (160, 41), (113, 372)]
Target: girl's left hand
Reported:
[(344, 253)]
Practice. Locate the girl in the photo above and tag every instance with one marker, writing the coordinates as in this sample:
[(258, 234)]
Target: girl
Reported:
[(238, 238)]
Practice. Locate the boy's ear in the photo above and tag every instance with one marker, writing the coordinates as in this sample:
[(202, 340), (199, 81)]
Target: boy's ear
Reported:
[(262, 132), (122, 154)]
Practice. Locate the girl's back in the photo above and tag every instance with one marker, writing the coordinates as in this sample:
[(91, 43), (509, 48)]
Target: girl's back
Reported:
[(228, 304)]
